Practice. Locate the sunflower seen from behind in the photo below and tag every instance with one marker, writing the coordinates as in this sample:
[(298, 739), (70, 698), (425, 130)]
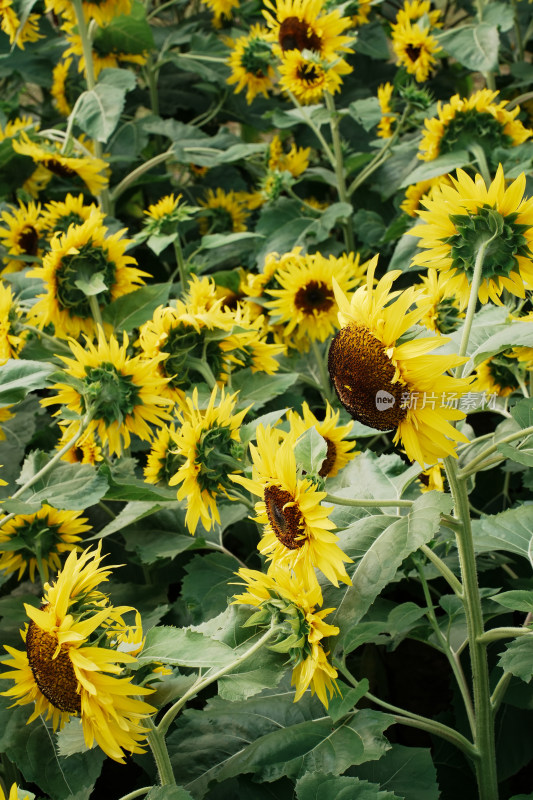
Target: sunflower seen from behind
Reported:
[(339, 449), (251, 64)]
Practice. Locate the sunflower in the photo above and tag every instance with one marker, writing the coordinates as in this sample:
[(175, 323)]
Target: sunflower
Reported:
[(36, 541), (20, 233), (13, 127), (246, 344), (501, 375), (472, 119), (221, 8), (294, 605), (302, 25), (207, 441), (305, 301), (415, 10), (11, 339), (417, 192), (91, 170), (339, 451), (459, 218), (250, 62), (297, 530), (164, 209), (415, 49), (14, 793), (58, 215), (85, 451), (163, 460), (61, 89), (77, 259), (308, 77), (5, 416), (388, 384), (360, 12), (225, 212), (296, 161), (102, 56), (432, 479), (11, 25), (385, 91), (444, 314), (102, 11), (121, 395), (66, 672), (37, 182)]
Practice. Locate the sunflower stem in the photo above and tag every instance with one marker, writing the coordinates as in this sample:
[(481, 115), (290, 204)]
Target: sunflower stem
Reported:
[(472, 302), (181, 263), (500, 690), (370, 503), (158, 746), (139, 171), (479, 154), (325, 385), (52, 339), (95, 311), (339, 168), (316, 130), (484, 720), (202, 683), (445, 571), (473, 465), (136, 793), (495, 634), (204, 369)]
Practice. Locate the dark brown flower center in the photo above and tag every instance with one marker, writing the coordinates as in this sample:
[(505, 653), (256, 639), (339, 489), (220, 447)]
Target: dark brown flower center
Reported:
[(59, 169), (296, 34), (284, 517), (362, 375), (307, 73), (29, 240), (314, 296), (413, 52), (329, 461), (55, 677)]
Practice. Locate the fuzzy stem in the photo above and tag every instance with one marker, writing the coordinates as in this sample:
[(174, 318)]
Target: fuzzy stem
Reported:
[(316, 130), (499, 691), (472, 466), (495, 634), (472, 302), (158, 746), (136, 793), (138, 171), (339, 168), (446, 573), (95, 311)]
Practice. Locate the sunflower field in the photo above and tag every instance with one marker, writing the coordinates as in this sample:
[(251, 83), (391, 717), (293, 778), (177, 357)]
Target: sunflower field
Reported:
[(266, 415)]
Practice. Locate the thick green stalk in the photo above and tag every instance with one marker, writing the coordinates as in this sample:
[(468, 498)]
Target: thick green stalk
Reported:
[(496, 634), (446, 573), (484, 721), (178, 252), (158, 746), (316, 130), (479, 154), (472, 301), (339, 168), (370, 503), (138, 171), (136, 793)]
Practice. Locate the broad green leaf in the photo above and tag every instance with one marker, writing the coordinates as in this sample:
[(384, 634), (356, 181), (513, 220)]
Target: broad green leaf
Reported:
[(518, 600), (18, 377), (514, 332), (348, 697), (133, 309), (367, 112), (169, 793), (380, 477), (259, 388), (130, 488), (154, 544), (215, 240), (373, 42), (248, 432), (263, 670), (157, 242), (120, 78), (310, 451), (438, 166), (404, 252), (407, 771), (474, 46), (315, 746), (363, 633), (403, 618), (183, 647), (18, 432), (126, 33), (321, 786), (518, 658), (499, 14), (93, 286), (98, 110), (385, 555), (70, 739), (511, 531), (69, 486), (206, 587), (522, 412), (521, 455)]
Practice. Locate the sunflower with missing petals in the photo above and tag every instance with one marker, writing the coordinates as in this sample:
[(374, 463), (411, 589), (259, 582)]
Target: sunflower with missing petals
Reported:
[(415, 49), (11, 338), (85, 254), (37, 541), (91, 170), (478, 118), (443, 315), (308, 77), (298, 534), (65, 671), (303, 25), (339, 450), (389, 384), (120, 395), (20, 232), (286, 597), (305, 302), (207, 440), (225, 212), (250, 62), (458, 219)]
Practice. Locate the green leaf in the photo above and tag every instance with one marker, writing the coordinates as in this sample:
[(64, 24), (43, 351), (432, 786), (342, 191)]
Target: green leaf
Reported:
[(259, 388), (93, 286), (119, 78), (522, 455), (320, 786), (518, 600), (522, 412), (404, 252), (518, 658), (183, 647), (511, 531), (18, 432), (315, 746), (310, 451), (169, 793), (131, 488), (263, 670), (386, 554), (407, 771), (18, 377), (341, 704), (215, 240), (98, 110), (372, 41), (248, 431), (132, 512), (154, 544), (514, 332), (132, 310), (66, 486), (128, 33), (366, 112), (157, 242), (70, 739), (499, 14), (438, 166), (474, 46), (205, 588)]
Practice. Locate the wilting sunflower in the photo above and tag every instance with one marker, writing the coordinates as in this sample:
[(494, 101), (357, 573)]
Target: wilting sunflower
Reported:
[(298, 534), (339, 451), (415, 49), (226, 212), (294, 605), (66, 672), (79, 259), (459, 218), (206, 440), (443, 315), (388, 384), (11, 25), (385, 91), (11, 338), (122, 395), (472, 119), (36, 541), (502, 375), (20, 233), (91, 170), (308, 77), (164, 459), (302, 25), (295, 161), (305, 302), (250, 62)]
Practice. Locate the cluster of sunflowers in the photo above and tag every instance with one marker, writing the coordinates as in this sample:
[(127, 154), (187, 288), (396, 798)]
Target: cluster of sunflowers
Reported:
[(191, 212)]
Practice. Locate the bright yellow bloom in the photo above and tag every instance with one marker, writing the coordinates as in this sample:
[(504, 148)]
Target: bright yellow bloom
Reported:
[(308, 78), (385, 91), (102, 11), (295, 161), (364, 7), (302, 25), (11, 339), (163, 460), (14, 793), (390, 385), (15, 126), (58, 215), (444, 314), (59, 86), (501, 375), (20, 233), (101, 59), (458, 218), (417, 192), (221, 8), (226, 213), (250, 63), (415, 49), (414, 10), (11, 25), (339, 450)]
